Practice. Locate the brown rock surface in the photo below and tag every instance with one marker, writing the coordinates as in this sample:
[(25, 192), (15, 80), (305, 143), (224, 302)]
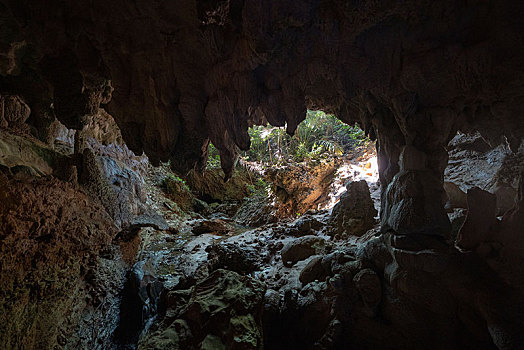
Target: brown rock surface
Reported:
[(176, 75), (45, 291)]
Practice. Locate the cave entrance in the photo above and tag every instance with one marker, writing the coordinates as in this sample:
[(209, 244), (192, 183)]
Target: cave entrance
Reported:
[(310, 169), (290, 201)]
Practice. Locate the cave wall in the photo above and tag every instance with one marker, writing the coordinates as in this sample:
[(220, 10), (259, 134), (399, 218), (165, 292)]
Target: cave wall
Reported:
[(177, 75)]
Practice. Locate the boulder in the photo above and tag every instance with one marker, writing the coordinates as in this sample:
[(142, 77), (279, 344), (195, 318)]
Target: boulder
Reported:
[(231, 256), (150, 219), (305, 225), (412, 204), (301, 248), (313, 271), (217, 226), (355, 213), (256, 211)]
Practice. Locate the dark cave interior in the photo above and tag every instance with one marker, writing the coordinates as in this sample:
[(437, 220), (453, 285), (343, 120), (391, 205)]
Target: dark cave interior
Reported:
[(92, 91)]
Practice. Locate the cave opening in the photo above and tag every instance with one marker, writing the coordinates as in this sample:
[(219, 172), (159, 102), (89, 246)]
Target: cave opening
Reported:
[(114, 236)]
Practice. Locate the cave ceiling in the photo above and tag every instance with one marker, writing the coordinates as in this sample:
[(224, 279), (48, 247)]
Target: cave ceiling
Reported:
[(178, 74)]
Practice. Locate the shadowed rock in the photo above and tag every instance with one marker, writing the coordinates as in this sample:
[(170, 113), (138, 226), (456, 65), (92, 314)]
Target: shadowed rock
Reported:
[(481, 222)]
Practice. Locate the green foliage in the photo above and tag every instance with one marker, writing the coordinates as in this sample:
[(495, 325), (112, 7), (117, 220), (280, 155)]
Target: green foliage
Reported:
[(319, 136), (174, 184), (213, 157), (258, 187)]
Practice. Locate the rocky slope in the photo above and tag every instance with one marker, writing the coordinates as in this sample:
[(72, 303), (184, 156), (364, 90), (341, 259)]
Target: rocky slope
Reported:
[(65, 209), (177, 75)]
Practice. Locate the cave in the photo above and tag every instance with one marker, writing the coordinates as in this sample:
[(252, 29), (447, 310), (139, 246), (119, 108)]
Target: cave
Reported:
[(96, 97)]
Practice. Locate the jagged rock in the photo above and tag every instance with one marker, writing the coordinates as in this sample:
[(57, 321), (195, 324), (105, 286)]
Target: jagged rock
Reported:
[(256, 211), (148, 220), (93, 179), (376, 251), (226, 89), (473, 166), (58, 266), (271, 301), (427, 253), (140, 299), (200, 206), (355, 213), (493, 169), (457, 218), (301, 248), (189, 72), (223, 311), (300, 187), (310, 308), (414, 205), (305, 225), (19, 151), (242, 260)]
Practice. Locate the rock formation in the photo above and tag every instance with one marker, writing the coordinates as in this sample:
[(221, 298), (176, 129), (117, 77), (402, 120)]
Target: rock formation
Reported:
[(176, 75), (355, 213)]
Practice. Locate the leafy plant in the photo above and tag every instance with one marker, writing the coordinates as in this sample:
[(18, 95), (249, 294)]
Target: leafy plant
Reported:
[(174, 184), (258, 187), (213, 156), (319, 135)]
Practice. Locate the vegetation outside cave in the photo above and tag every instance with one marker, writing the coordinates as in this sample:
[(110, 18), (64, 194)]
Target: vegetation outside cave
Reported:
[(320, 136)]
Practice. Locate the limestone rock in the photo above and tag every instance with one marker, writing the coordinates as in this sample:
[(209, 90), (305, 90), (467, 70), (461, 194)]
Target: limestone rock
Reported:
[(223, 311), (313, 271), (256, 211), (18, 151), (13, 110), (210, 185), (148, 220), (242, 260), (58, 264), (301, 187), (355, 213), (414, 205), (472, 162), (307, 224), (301, 248)]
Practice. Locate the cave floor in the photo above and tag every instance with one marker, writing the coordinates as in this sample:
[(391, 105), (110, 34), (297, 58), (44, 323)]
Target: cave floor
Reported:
[(198, 243)]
